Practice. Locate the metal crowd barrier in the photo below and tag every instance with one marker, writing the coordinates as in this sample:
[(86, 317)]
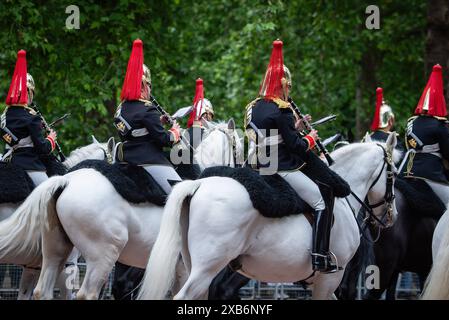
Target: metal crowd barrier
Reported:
[(407, 287)]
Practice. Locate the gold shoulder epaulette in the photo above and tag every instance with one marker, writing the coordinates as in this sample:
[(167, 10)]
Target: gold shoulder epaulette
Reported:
[(440, 118), (281, 103), (147, 102), (30, 110)]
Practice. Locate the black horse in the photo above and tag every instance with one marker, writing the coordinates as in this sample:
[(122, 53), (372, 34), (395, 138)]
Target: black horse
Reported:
[(406, 246)]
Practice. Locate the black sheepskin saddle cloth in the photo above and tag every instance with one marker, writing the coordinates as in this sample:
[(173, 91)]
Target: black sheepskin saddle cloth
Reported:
[(16, 185), (133, 183), (421, 199), (271, 195)]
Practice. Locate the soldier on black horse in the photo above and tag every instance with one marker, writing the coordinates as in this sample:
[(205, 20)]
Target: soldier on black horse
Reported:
[(427, 138)]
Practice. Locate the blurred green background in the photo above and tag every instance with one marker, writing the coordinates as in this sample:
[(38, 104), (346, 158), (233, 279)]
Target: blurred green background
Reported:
[(336, 62)]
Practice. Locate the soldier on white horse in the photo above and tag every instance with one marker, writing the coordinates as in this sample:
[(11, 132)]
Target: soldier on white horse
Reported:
[(272, 112), (139, 124), (212, 228), (21, 126)]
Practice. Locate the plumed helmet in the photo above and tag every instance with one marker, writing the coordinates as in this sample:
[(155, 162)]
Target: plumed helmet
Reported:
[(146, 76), (30, 82), (386, 113), (288, 76), (207, 107)]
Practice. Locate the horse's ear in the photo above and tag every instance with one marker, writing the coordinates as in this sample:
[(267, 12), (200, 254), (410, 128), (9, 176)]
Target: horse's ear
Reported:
[(231, 124), (391, 141), (111, 144), (94, 140)]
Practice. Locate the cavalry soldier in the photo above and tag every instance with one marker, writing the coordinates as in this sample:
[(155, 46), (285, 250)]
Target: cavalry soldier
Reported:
[(199, 119), (139, 124), (271, 122), (383, 121), (427, 138), (21, 127)]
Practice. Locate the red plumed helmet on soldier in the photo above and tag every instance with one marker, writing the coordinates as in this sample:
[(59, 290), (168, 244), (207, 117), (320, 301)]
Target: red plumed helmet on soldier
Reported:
[(132, 85), (198, 101), (432, 100), (18, 94), (272, 86)]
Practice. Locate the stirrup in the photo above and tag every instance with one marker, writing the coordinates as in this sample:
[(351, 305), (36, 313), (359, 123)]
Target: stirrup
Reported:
[(327, 265)]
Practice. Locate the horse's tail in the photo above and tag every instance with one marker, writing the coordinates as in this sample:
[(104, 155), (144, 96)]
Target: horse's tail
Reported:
[(161, 269), (437, 283), (21, 233)]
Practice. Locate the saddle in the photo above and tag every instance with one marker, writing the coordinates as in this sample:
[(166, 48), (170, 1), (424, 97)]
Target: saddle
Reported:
[(16, 185), (271, 195), (132, 182), (420, 198)]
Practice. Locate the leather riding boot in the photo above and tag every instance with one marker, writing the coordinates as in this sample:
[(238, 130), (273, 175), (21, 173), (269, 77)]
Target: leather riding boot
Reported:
[(321, 257)]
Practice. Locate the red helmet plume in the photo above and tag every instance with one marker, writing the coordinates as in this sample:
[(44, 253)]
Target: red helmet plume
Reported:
[(432, 99), (18, 94), (272, 83), (379, 101), (198, 101), (132, 85)]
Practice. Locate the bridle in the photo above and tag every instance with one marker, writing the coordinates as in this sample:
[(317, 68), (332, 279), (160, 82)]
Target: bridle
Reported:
[(388, 199), (232, 144)]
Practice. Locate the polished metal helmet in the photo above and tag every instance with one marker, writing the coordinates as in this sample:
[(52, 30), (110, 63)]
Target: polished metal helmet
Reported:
[(288, 76), (146, 76), (386, 113), (30, 82), (207, 107)]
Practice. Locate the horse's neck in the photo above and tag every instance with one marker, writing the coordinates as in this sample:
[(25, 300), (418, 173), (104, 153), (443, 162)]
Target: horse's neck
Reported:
[(358, 174), (92, 151), (214, 150)]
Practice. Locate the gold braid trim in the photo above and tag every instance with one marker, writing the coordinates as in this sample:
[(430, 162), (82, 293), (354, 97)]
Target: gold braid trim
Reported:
[(249, 106)]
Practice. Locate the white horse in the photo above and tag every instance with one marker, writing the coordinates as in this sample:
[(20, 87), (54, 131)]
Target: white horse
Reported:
[(13, 228), (220, 224), (90, 215), (437, 284)]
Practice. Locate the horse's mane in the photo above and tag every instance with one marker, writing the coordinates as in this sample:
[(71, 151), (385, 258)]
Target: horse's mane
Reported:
[(223, 127), (82, 153), (348, 150)]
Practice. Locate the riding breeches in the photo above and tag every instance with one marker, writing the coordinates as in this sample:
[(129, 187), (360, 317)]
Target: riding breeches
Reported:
[(305, 187), (37, 176), (441, 190), (165, 176)]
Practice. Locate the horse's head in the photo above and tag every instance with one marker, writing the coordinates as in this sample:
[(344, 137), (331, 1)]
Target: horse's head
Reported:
[(381, 192), (221, 146), (370, 169), (93, 151)]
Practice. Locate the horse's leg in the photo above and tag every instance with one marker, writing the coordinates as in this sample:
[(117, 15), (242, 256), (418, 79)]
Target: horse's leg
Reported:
[(197, 285), (97, 273), (324, 285), (205, 266), (56, 247), (27, 283), (68, 278), (100, 254), (391, 290)]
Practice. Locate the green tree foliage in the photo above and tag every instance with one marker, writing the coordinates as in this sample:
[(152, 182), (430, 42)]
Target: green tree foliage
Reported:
[(227, 43)]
